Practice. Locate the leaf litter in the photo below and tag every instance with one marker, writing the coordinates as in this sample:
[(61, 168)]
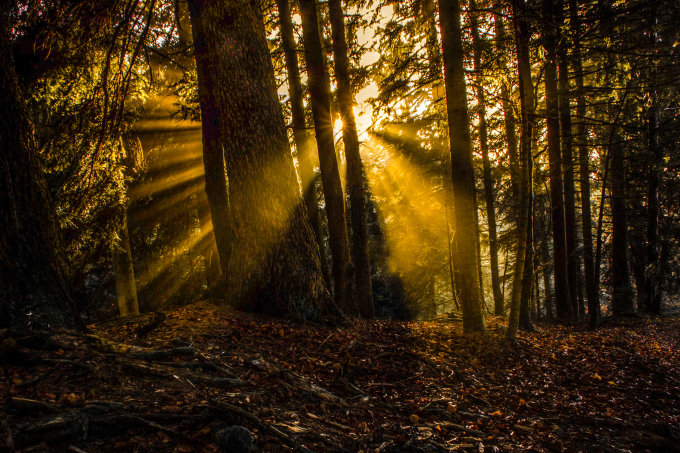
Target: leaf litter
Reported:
[(372, 386)]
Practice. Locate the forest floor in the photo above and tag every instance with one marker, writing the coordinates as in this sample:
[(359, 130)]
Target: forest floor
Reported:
[(172, 382)]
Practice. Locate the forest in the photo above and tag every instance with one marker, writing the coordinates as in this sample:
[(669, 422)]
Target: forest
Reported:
[(359, 225)]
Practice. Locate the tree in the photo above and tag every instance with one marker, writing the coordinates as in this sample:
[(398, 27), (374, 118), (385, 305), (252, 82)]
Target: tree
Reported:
[(584, 167), (319, 88), (303, 139), (275, 267), (355, 177), (652, 288), (33, 290), (566, 145), (550, 37), (213, 151), (509, 120), (622, 291), (461, 162), (526, 96), (123, 268), (487, 171)]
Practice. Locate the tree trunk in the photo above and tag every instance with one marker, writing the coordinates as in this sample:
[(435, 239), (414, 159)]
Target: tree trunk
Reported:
[(568, 172), (508, 112), (319, 87), (275, 268), (529, 259), (565, 309), (213, 152), (622, 291), (584, 169), (126, 289), (123, 269), (486, 163), (303, 139), (653, 274), (33, 288), (526, 95), (461, 162), (355, 179), (652, 283)]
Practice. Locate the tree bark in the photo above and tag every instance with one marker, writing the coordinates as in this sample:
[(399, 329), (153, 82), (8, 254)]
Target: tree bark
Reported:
[(508, 113), (653, 274), (461, 162), (526, 95), (319, 87), (568, 172), (486, 163), (355, 178), (550, 35), (584, 169), (525, 322), (33, 287), (303, 139), (123, 269), (622, 291), (213, 153), (275, 268)]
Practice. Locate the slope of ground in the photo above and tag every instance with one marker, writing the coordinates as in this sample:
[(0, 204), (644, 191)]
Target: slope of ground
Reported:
[(174, 382)]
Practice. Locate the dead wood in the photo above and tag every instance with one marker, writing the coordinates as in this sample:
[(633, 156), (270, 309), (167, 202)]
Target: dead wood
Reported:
[(87, 422), (144, 329), (192, 378), (30, 406), (225, 408)]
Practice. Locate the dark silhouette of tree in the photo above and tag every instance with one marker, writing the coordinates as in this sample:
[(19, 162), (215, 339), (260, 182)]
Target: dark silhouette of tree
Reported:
[(355, 178), (275, 267), (33, 289), (319, 89), (461, 162)]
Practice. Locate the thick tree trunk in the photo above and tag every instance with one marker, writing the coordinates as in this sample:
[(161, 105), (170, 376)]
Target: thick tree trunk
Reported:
[(584, 169), (565, 309), (355, 179), (461, 163), (527, 116), (568, 172), (274, 266), (622, 291), (33, 288), (319, 87), (303, 139)]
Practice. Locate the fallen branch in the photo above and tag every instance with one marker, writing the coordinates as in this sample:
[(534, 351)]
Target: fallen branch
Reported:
[(90, 421), (193, 378), (222, 407)]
